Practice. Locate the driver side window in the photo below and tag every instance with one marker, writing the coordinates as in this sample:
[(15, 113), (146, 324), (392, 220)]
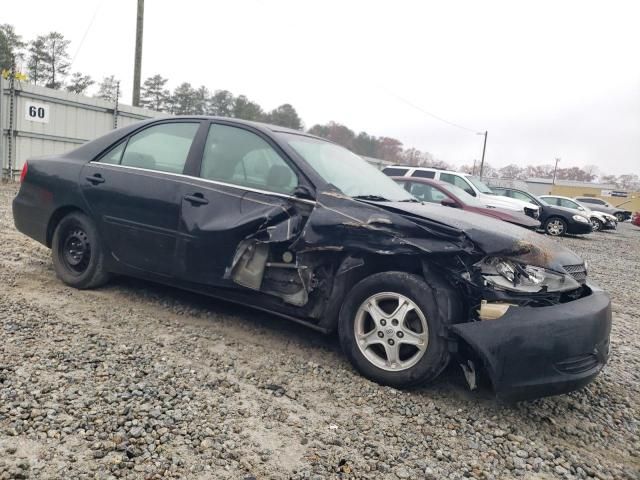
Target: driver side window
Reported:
[(427, 193), (237, 156), (569, 204), (458, 182)]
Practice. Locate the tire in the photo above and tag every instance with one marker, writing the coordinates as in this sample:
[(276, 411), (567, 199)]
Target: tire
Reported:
[(596, 224), (417, 363), (77, 252), (555, 226), (619, 216)]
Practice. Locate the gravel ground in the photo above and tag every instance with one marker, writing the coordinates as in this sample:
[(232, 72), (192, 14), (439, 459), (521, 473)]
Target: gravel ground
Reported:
[(135, 380)]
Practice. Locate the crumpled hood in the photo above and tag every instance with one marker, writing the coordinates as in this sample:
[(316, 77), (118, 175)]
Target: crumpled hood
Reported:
[(491, 236)]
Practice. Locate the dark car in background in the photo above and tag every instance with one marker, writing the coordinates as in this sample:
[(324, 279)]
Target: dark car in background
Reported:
[(555, 220), (600, 205), (292, 224), (599, 220), (443, 193)]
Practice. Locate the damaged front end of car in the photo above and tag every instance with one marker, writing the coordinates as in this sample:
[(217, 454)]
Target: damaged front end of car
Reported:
[(519, 307)]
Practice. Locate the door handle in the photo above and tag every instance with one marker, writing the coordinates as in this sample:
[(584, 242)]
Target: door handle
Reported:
[(196, 199), (95, 179)]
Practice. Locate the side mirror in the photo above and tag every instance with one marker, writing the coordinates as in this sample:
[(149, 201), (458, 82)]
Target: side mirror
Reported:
[(302, 191), (447, 202)]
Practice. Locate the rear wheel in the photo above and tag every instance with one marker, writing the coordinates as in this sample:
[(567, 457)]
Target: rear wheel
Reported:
[(620, 217), (78, 257), (390, 329), (555, 226), (596, 224)]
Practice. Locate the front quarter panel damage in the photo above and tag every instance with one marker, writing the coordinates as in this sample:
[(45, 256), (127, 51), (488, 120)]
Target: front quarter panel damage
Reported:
[(295, 251)]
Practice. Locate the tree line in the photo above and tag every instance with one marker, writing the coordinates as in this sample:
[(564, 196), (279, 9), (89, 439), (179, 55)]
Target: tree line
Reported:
[(48, 63), (587, 173)]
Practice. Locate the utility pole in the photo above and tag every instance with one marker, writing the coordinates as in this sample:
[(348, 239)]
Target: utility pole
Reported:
[(473, 170), (555, 170), (115, 108), (137, 65), (484, 148)]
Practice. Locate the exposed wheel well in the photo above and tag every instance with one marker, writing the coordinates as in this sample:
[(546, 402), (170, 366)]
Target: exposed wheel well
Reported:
[(58, 215), (372, 264)]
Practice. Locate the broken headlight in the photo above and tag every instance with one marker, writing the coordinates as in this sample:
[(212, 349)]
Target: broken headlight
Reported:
[(516, 277)]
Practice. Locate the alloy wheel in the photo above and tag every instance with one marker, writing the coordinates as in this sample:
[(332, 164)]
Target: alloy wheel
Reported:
[(555, 227), (595, 224), (391, 331)]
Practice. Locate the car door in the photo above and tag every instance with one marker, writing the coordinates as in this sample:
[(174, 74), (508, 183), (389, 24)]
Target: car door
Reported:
[(133, 193), (245, 185)]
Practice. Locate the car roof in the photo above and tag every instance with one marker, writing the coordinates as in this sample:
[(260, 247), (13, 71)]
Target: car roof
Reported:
[(556, 196), (428, 169), (416, 179), (261, 125)]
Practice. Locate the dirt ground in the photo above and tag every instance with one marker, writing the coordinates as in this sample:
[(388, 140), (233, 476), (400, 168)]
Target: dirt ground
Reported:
[(136, 380)]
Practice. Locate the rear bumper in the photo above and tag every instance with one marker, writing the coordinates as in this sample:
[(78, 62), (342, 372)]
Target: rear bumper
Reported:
[(29, 216), (534, 352)]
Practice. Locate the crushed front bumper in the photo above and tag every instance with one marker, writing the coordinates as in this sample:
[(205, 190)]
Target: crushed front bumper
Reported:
[(534, 352)]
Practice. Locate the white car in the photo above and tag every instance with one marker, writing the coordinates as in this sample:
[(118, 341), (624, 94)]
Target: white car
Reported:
[(599, 220), (470, 184)]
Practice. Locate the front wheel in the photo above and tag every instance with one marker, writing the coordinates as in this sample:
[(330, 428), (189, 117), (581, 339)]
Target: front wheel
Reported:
[(391, 330), (555, 227), (596, 224), (76, 249), (620, 217)]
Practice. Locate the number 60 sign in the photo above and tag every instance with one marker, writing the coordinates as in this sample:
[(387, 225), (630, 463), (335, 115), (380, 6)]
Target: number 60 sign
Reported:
[(37, 112)]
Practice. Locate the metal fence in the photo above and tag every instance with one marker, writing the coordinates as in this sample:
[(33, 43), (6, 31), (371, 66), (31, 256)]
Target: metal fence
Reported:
[(40, 121)]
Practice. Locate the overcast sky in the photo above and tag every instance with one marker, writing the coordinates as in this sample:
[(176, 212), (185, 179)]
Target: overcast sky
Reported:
[(546, 79)]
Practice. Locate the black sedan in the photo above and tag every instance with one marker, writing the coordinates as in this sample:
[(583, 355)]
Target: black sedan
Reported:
[(298, 226), (555, 220)]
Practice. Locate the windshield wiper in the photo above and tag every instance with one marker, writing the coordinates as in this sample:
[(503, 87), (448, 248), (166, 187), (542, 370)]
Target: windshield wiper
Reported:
[(372, 198)]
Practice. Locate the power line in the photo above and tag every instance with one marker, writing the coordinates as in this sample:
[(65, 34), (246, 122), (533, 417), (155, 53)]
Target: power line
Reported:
[(85, 34), (433, 115)]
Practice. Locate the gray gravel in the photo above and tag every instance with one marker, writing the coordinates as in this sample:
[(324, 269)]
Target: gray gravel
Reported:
[(136, 380)]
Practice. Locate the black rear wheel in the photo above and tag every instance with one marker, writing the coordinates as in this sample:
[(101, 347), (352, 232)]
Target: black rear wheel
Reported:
[(78, 257), (620, 217)]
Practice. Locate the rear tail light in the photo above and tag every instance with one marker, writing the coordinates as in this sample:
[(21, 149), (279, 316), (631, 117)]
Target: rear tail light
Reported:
[(23, 173)]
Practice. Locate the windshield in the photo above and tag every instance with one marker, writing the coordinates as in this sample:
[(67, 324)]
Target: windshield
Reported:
[(462, 195), (346, 171), (480, 185)]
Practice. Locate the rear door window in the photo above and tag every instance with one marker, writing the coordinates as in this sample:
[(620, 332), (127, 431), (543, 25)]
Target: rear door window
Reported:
[(395, 172), (163, 147), (114, 155), (520, 196), (423, 174)]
